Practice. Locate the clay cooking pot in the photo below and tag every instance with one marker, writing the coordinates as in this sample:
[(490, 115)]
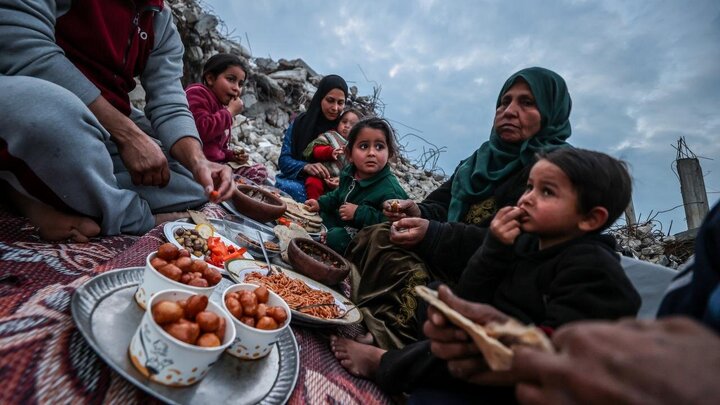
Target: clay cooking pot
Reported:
[(258, 204), (317, 261)]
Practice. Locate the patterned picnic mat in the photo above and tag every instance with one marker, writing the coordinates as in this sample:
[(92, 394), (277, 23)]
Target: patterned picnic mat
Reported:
[(45, 359)]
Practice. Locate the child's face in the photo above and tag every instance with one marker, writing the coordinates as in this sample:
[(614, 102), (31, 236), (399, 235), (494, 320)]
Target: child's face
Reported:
[(551, 204), (369, 154), (346, 123), (228, 84)]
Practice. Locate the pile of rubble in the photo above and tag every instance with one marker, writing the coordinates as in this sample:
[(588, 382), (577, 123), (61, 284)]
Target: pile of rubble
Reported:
[(644, 242)]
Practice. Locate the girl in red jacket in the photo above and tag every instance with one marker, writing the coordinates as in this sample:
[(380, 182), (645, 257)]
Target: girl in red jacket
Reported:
[(214, 103)]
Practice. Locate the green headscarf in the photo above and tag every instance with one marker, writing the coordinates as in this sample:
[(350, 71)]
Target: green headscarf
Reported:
[(477, 176)]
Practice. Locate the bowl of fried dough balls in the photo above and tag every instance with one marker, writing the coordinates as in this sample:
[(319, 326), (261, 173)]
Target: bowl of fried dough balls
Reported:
[(260, 316), (180, 336), (173, 268)]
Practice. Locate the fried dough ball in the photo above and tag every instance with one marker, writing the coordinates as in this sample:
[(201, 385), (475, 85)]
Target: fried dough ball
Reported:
[(195, 305), (209, 340), (208, 321), (165, 312), (167, 251)]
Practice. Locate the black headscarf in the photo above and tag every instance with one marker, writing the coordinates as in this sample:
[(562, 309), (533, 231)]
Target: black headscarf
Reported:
[(312, 123)]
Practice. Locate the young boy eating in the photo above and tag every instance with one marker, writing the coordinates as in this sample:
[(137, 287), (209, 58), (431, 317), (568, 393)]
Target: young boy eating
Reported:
[(543, 262)]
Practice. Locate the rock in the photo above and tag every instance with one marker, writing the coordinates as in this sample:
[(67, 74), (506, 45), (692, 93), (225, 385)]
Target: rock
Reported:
[(249, 99), (268, 87), (266, 65), (296, 63), (195, 54), (645, 229), (205, 24), (296, 75)]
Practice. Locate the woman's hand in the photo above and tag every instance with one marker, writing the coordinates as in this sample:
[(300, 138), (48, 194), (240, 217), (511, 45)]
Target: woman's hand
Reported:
[(316, 170), (312, 205), (450, 343), (408, 232), (332, 182), (235, 106), (506, 224), (405, 209), (347, 211), (667, 361), (337, 152), (215, 178)]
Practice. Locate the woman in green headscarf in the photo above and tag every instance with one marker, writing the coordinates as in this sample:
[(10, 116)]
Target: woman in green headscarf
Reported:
[(433, 240)]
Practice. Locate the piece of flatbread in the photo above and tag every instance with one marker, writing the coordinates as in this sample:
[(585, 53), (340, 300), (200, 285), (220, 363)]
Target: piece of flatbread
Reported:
[(486, 338), (199, 217)]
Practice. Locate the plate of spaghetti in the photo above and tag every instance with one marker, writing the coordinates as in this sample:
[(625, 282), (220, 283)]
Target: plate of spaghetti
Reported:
[(311, 303)]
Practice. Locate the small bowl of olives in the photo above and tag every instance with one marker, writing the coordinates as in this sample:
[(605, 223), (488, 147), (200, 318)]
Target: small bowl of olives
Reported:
[(179, 337)]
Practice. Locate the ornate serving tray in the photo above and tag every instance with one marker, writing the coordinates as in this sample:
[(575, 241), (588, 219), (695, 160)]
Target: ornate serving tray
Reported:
[(107, 316)]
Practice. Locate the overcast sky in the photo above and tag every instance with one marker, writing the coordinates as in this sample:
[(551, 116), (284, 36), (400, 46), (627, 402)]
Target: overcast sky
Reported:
[(641, 73)]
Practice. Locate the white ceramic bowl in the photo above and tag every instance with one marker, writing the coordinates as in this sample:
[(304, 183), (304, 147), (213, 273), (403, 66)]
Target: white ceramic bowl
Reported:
[(252, 343), (153, 282), (169, 361)]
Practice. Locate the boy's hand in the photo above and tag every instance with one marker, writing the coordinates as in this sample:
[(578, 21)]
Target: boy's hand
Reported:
[(312, 205), (337, 152), (347, 211), (506, 224)]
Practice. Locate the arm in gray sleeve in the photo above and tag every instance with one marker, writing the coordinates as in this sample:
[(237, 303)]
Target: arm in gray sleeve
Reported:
[(167, 106), (28, 48)]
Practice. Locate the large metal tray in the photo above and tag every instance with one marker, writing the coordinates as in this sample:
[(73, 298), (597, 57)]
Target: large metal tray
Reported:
[(107, 316)]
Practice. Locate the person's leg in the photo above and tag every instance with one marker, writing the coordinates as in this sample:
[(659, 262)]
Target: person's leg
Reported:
[(51, 224), (338, 239), (382, 279), (54, 151), (361, 360), (314, 187)]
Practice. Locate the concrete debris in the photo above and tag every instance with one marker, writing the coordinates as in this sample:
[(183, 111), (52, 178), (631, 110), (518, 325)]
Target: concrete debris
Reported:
[(643, 242)]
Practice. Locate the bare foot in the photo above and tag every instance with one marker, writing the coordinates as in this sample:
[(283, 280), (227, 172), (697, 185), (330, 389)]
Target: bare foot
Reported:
[(170, 216), (367, 338), (54, 225), (359, 359)]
